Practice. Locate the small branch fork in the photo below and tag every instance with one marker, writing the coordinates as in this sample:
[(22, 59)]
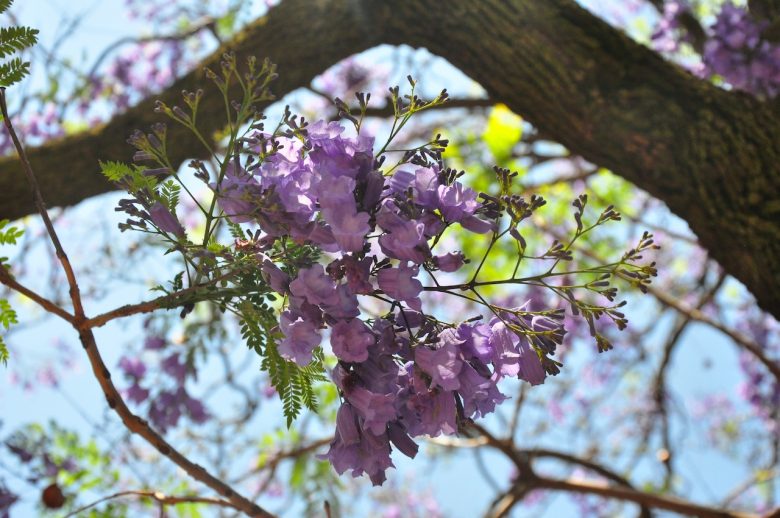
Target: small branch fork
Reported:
[(84, 325), (528, 480)]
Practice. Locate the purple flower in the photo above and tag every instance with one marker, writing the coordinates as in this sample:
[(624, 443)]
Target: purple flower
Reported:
[(476, 225), (449, 262), (316, 232), (421, 410), (456, 201), (238, 195), (358, 451), (476, 341), (164, 411), (7, 499), (401, 440), (346, 425), (350, 340), (388, 216), (350, 230), (665, 37), (136, 393), (372, 193), (336, 194), (433, 224), (132, 367), (194, 408), (345, 304), (406, 242), (336, 156), (444, 363), (375, 409), (379, 373), (426, 183), (737, 51), (401, 285), (430, 413), (531, 369), (168, 407), (400, 182), (300, 338), (276, 278), (315, 286), (154, 343), (480, 394), (357, 273), (505, 357), (174, 367), (164, 220)]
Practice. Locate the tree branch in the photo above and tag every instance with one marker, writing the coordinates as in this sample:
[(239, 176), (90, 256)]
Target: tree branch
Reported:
[(623, 493), (529, 479), (712, 156), (158, 497)]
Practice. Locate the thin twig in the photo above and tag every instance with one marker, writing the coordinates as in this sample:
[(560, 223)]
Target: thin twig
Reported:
[(695, 314), (159, 497), (51, 307)]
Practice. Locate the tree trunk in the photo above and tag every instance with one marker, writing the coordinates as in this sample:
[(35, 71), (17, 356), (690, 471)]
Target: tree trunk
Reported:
[(712, 156)]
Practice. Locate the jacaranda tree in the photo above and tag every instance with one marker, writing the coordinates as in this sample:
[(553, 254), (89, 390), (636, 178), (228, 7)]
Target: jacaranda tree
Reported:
[(372, 265)]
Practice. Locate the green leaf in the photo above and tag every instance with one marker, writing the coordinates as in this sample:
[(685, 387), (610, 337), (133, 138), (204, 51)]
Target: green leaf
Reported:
[(7, 314), (3, 352), (7, 317), (9, 235), (13, 72), (115, 171), (294, 384), (170, 192), (15, 39), (128, 177)]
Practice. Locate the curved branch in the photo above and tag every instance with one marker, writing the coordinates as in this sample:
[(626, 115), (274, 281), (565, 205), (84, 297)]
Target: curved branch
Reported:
[(623, 493), (529, 479), (712, 156)]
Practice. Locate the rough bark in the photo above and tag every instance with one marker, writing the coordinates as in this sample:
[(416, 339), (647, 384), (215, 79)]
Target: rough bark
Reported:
[(713, 156), (301, 37)]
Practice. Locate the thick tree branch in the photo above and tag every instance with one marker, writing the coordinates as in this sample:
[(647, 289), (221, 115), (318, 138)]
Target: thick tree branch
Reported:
[(303, 38), (528, 479), (712, 156)]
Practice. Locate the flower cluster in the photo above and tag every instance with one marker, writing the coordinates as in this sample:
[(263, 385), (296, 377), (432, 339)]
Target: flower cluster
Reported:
[(406, 374), (168, 405), (735, 48), (737, 52), (330, 242)]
